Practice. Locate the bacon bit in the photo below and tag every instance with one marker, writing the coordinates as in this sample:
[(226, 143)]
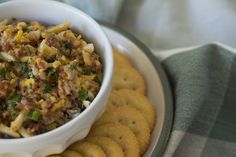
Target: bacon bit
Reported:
[(33, 128), (52, 41), (6, 46), (20, 52), (31, 106), (20, 106), (4, 88)]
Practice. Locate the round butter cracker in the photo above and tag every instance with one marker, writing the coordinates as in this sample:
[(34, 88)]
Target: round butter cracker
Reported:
[(128, 78), (71, 153), (120, 59), (110, 147), (131, 118), (126, 97), (87, 149), (121, 134)]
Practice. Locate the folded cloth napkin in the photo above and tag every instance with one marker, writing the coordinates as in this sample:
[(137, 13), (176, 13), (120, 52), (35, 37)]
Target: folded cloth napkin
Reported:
[(204, 87)]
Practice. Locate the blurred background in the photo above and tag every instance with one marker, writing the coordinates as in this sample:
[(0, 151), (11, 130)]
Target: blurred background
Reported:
[(167, 24)]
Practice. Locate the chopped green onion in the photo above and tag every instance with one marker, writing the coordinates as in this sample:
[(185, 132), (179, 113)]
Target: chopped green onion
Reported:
[(11, 103), (51, 72), (86, 71), (68, 45), (2, 73), (51, 60), (34, 114), (15, 97), (11, 106), (23, 68), (30, 74), (72, 67), (24, 71), (25, 30), (98, 80), (67, 49), (82, 94), (47, 89)]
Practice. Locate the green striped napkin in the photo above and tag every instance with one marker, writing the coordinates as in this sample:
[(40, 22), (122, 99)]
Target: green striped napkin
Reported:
[(203, 81)]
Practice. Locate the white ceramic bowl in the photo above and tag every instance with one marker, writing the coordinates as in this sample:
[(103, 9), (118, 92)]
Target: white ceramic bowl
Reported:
[(55, 141)]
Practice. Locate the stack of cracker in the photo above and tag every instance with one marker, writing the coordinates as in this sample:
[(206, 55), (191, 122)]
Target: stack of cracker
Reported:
[(125, 127)]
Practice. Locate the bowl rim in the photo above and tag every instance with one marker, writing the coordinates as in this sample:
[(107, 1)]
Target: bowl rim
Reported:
[(107, 77)]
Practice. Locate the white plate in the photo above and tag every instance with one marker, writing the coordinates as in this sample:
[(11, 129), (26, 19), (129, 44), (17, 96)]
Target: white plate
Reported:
[(158, 89)]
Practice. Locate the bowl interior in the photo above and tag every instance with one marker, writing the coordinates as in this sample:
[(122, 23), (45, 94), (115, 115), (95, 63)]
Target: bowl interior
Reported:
[(52, 13)]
